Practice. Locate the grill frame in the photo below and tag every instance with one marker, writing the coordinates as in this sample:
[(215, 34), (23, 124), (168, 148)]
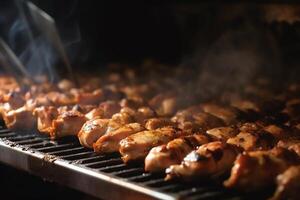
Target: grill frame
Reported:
[(104, 176)]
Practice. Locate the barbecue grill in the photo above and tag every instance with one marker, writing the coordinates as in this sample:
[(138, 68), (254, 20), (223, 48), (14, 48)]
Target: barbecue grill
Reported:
[(104, 176), (67, 162)]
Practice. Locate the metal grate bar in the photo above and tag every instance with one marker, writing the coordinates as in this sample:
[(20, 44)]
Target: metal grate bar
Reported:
[(31, 141), (113, 168), (22, 137), (129, 172), (104, 163), (4, 131), (157, 183), (141, 178), (7, 134), (42, 144), (77, 156), (90, 160), (69, 151), (54, 148)]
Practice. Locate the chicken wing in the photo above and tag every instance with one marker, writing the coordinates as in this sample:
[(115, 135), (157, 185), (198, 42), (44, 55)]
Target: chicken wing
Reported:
[(222, 133), (288, 184), (67, 123), (137, 146), (211, 159), (258, 169), (161, 157), (110, 141), (91, 131), (227, 114)]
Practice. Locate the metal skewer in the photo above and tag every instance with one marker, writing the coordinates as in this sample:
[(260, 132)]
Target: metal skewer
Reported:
[(13, 65), (46, 25)]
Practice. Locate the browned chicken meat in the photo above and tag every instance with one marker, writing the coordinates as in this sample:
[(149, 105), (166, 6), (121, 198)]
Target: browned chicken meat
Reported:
[(252, 136), (194, 119), (288, 184), (117, 128), (110, 141), (20, 119), (222, 133), (165, 104), (91, 131), (258, 169), (67, 123), (227, 114), (45, 115), (290, 144), (161, 157), (209, 160), (137, 146), (155, 123)]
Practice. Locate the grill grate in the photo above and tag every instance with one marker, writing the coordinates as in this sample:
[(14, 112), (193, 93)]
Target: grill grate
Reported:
[(105, 176)]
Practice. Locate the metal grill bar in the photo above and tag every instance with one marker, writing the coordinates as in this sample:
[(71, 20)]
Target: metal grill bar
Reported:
[(104, 176)]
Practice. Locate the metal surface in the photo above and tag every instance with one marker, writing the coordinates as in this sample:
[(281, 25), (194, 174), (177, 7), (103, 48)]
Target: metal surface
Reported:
[(11, 63), (103, 176), (46, 24)]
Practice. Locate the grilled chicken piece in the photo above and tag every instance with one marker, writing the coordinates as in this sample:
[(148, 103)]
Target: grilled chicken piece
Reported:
[(228, 115), (67, 123), (292, 108), (137, 146), (91, 131), (13, 99), (155, 123), (161, 157), (110, 141), (193, 118), (143, 114), (21, 119), (134, 103), (45, 115), (89, 98), (128, 115), (288, 184), (252, 141), (165, 104), (58, 99), (209, 160), (65, 85), (245, 105), (258, 169), (105, 110), (290, 144), (277, 132), (222, 133), (186, 114), (119, 127), (252, 136), (207, 121)]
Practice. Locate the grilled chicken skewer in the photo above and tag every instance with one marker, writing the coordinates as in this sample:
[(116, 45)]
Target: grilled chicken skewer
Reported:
[(209, 160), (161, 157), (202, 119)]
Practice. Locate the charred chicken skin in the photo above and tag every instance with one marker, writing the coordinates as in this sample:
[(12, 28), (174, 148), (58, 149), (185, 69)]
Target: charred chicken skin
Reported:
[(137, 146), (163, 156), (209, 160), (258, 169)]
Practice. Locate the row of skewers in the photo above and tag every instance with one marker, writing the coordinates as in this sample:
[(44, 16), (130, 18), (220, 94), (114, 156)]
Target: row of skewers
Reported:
[(253, 135)]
